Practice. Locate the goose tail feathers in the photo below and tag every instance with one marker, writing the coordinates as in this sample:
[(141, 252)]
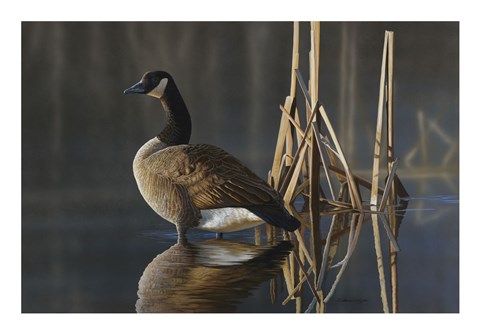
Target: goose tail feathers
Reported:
[(276, 216)]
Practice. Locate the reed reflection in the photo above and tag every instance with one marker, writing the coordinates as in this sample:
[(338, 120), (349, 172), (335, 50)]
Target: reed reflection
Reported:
[(209, 276), (318, 254)]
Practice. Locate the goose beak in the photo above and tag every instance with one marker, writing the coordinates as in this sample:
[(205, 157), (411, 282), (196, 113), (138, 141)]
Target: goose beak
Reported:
[(138, 88)]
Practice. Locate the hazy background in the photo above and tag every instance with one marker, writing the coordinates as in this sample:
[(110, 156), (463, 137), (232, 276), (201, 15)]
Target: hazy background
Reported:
[(82, 215)]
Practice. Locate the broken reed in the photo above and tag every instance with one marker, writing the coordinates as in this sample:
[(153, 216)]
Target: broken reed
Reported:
[(319, 157)]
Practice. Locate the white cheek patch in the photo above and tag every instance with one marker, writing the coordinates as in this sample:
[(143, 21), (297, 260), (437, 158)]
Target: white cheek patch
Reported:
[(160, 89)]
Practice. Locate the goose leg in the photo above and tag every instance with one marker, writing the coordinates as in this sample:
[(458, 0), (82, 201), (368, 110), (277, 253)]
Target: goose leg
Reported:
[(182, 234), (187, 216)]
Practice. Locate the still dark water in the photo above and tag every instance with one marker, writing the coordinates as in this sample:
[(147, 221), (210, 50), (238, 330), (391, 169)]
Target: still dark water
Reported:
[(83, 256)]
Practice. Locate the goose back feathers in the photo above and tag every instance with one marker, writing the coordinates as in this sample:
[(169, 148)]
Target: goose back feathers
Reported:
[(213, 178)]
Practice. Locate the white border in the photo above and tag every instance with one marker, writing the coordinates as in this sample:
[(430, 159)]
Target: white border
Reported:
[(15, 12)]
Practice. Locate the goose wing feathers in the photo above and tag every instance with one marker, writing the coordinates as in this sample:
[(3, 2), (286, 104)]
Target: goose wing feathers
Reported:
[(213, 178)]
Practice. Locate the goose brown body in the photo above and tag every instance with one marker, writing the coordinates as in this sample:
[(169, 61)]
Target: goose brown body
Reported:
[(183, 182)]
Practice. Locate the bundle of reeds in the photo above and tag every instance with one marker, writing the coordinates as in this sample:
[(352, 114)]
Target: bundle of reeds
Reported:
[(307, 157), (318, 148)]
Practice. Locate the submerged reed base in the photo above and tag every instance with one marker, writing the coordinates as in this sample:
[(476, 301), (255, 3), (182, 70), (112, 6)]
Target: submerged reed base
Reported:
[(312, 173)]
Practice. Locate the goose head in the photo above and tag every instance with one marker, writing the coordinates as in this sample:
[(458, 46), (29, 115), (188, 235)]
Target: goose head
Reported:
[(152, 83)]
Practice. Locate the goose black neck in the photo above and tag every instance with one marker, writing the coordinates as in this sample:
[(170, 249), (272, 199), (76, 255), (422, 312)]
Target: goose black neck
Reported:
[(179, 126)]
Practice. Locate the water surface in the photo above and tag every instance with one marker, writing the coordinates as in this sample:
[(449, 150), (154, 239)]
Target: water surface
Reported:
[(85, 257)]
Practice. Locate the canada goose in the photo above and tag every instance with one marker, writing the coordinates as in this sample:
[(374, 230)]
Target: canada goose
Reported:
[(214, 275), (199, 185)]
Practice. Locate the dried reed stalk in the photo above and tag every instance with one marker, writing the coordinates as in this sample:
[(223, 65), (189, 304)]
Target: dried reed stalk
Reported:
[(389, 187), (301, 188), (337, 232), (314, 291), (359, 180), (273, 291), (323, 268), (284, 139), (395, 221), (289, 182), (293, 87), (297, 288), (303, 248), (314, 206), (314, 161), (297, 126), (394, 271), (390, 116), (381, 272), (295, 57), (357, 222), (314, 58), (393, 241), (288, 277), (304, 88), (375, 177), (275, 173), (378, 136), (392, 195), (339, 204), (352, 185), (318, 137), (296, 168)]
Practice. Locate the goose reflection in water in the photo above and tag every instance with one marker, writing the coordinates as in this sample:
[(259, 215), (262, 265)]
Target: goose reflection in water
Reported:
[(210, 276)]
